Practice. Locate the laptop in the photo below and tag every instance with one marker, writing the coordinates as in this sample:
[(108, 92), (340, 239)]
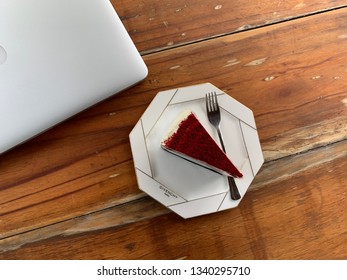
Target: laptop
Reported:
[(57, 58)]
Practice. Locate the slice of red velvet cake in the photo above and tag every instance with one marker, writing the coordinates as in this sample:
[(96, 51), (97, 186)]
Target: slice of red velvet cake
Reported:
[(188, 139)]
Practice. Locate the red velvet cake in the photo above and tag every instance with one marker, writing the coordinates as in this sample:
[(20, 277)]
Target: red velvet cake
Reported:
[(189, 140)]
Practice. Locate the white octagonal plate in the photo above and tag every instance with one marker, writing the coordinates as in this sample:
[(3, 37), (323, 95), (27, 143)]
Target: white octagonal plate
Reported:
[(184, 187)]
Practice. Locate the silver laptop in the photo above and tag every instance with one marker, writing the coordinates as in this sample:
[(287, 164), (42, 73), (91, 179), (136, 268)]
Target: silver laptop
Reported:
[(57, 58)]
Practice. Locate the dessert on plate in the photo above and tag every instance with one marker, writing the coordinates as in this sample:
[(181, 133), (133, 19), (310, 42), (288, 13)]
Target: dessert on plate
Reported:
[(188, 139)]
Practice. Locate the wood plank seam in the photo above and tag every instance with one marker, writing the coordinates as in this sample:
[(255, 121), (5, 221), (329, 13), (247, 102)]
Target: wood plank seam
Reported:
[(241, 30)]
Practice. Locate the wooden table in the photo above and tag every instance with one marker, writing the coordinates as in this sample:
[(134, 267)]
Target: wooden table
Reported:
[(71, 193)]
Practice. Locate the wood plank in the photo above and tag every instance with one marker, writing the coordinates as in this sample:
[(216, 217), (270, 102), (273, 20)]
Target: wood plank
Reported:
[(156, 25), (293, 83), (276, 221)]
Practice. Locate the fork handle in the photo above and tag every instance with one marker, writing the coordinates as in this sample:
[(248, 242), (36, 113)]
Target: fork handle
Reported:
[(234, 191), (221, 140)]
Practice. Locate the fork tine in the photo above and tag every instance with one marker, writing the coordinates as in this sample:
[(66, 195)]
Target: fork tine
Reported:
[(216, 106), (213, 101), (210, 102), (213, 105)]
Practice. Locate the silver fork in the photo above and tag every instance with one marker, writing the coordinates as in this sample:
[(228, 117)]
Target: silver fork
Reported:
[(214, 116)]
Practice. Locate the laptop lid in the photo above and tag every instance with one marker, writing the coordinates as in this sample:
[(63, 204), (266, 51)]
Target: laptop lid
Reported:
[(58, 58)]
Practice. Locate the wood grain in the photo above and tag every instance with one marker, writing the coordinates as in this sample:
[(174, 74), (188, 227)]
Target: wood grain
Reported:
[(157, 25), (73, 188), (296, 216), (87, 152)]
